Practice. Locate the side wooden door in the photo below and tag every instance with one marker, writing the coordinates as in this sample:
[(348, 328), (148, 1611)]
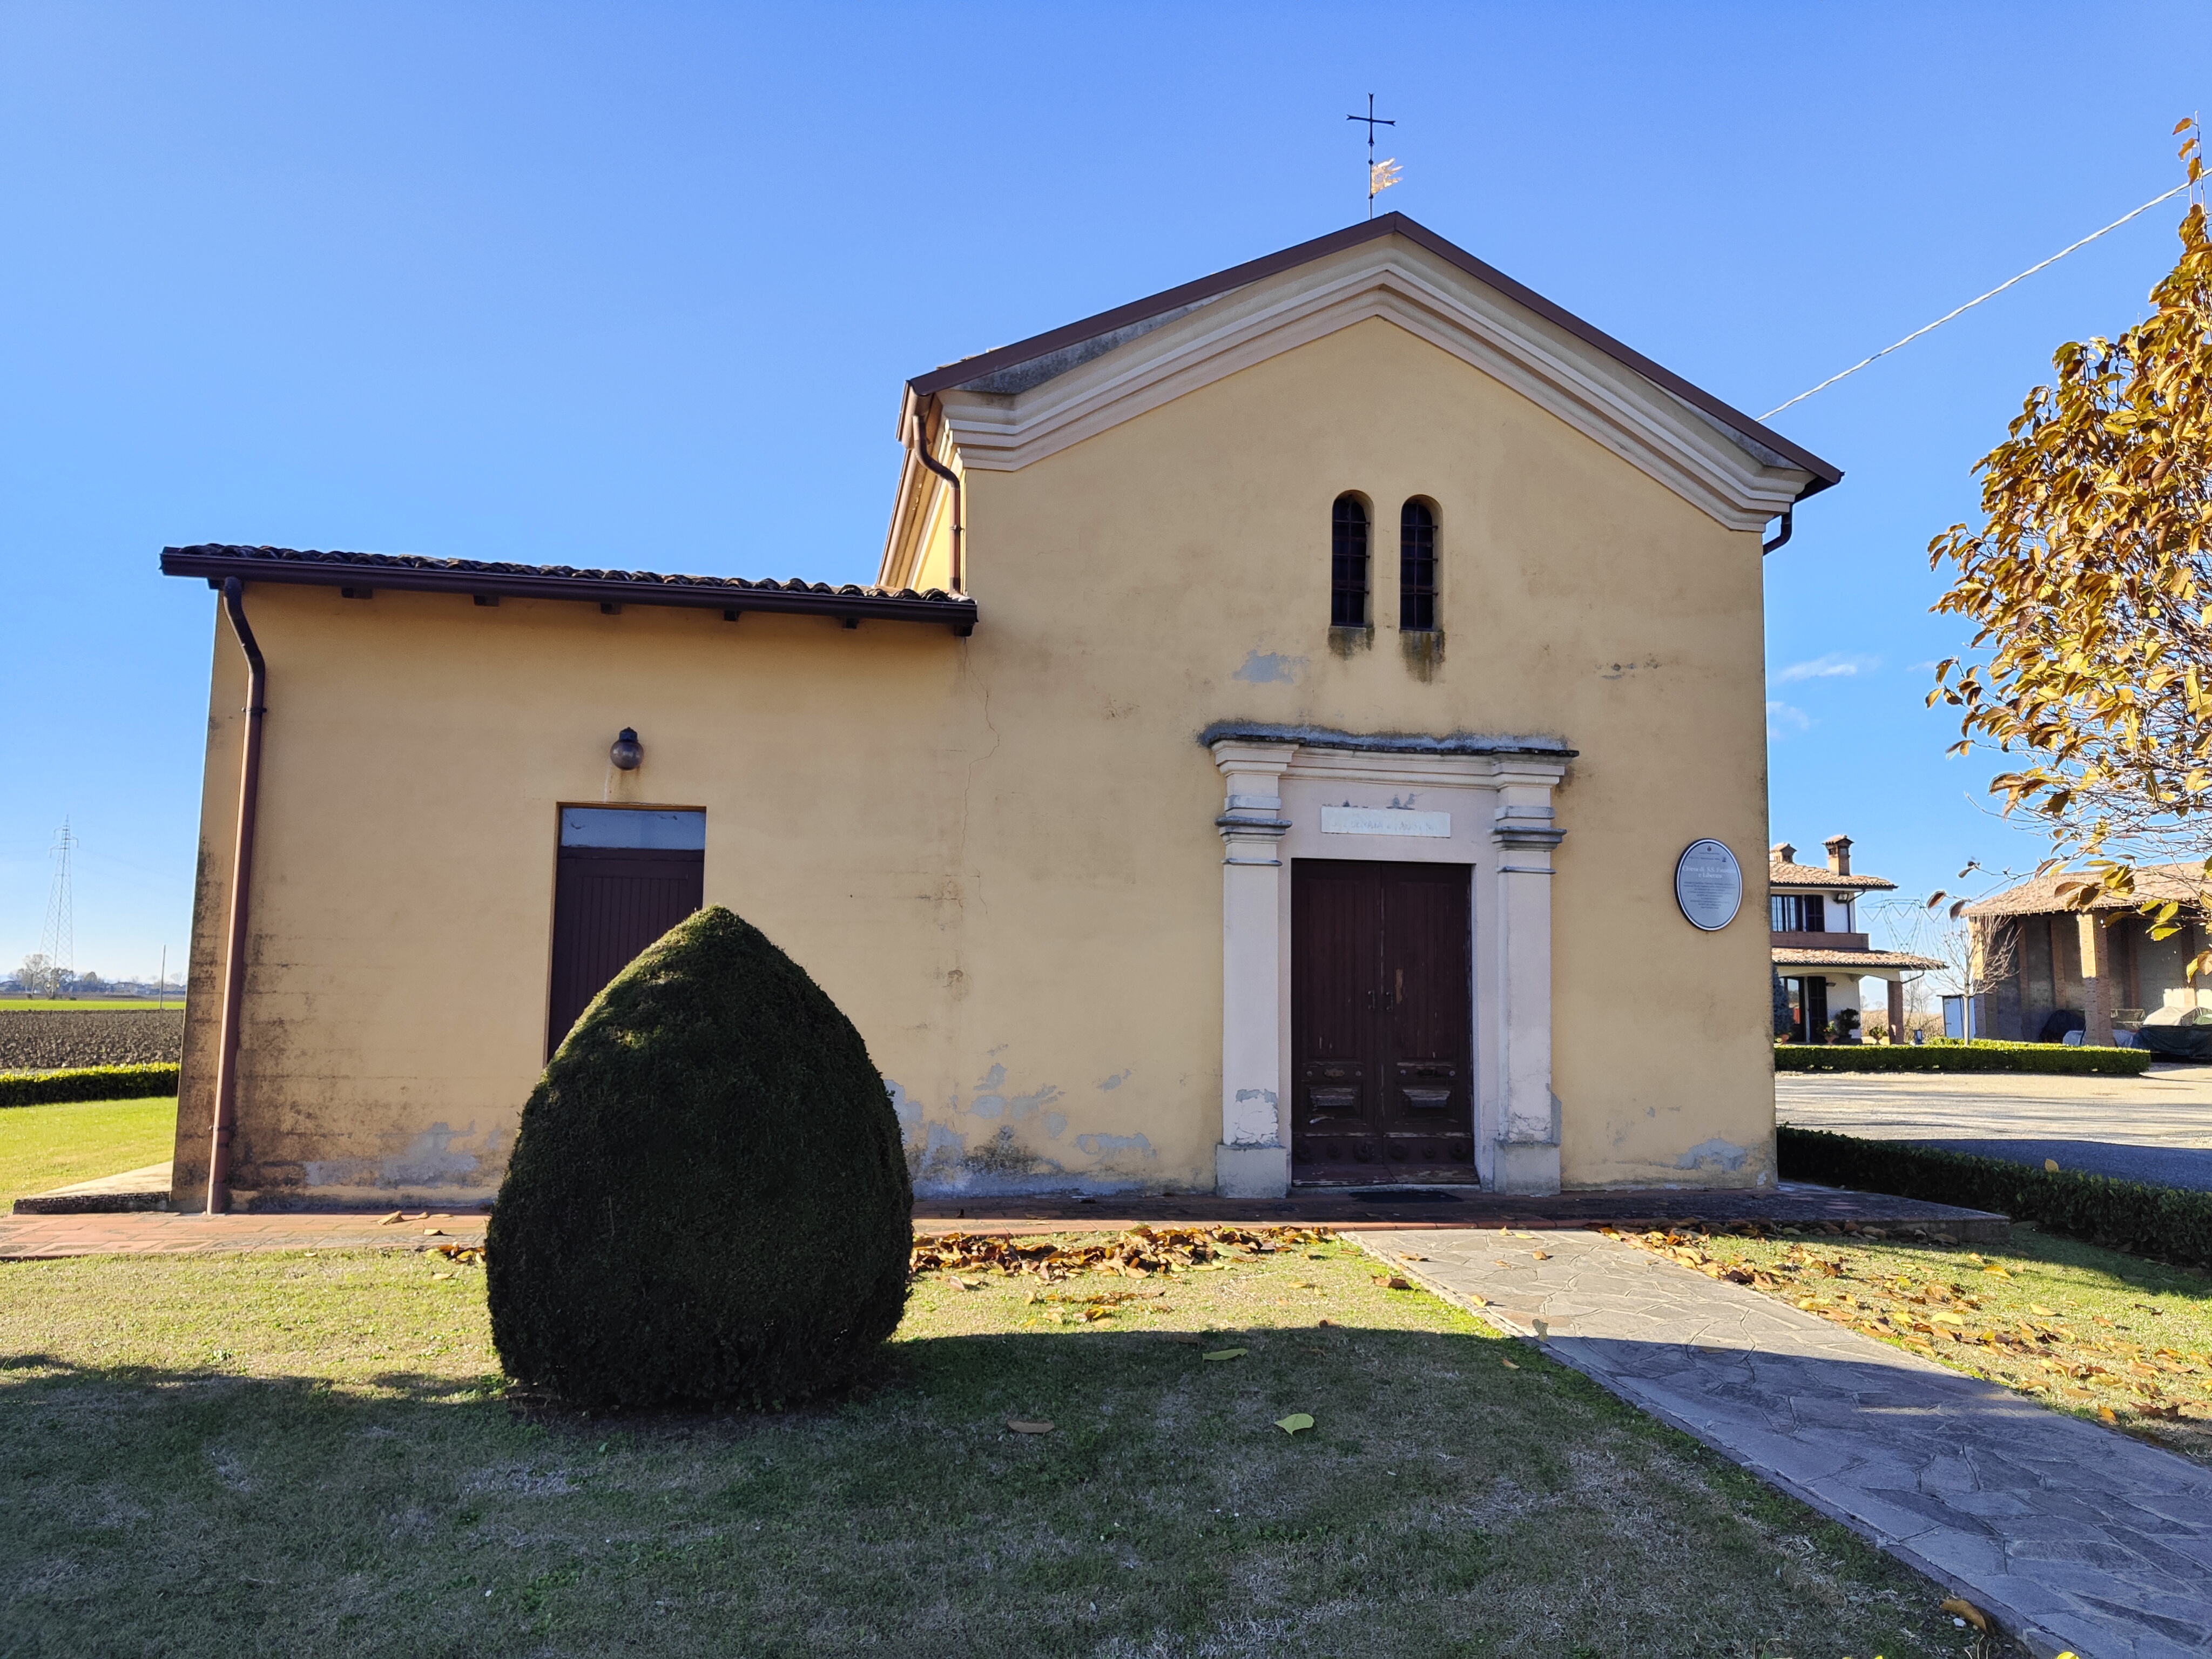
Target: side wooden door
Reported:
[(609, 902), (1381, 1020)]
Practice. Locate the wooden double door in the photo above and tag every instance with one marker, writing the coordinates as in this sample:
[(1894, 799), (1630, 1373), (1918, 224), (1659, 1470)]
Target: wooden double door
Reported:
[(1381, 1022)]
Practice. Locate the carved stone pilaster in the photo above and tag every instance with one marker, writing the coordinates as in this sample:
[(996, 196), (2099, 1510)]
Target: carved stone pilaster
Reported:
[(1527, 1142)]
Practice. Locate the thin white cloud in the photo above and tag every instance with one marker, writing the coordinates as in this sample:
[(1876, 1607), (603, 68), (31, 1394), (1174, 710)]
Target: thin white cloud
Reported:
[(1834, 665), (1783, 720)]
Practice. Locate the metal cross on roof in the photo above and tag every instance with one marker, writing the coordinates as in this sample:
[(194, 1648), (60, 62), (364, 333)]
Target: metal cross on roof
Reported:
[(1375, 183)]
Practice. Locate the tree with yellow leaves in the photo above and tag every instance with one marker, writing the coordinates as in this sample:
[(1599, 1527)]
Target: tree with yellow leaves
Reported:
[(2090, 590)]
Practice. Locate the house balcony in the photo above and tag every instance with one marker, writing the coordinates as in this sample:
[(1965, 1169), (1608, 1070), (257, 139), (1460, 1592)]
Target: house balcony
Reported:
[(1821, 942)]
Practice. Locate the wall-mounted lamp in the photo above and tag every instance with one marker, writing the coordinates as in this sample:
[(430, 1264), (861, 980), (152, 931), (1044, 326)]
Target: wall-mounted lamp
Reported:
[(626, 752)]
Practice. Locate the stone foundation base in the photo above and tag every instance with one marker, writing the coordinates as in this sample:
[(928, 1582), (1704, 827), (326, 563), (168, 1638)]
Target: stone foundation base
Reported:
[(1259, 1172), (1523, 1167)]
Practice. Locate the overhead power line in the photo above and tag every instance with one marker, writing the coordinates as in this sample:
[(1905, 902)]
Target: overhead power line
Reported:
[(1977, 300)]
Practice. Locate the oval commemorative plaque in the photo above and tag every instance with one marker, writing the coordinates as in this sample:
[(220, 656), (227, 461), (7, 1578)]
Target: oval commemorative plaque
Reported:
[(1708, 885)]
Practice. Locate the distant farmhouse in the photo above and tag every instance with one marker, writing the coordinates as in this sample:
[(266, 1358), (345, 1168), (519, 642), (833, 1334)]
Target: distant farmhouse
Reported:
[(1819, 950), (2047, 969), (1304, 726)]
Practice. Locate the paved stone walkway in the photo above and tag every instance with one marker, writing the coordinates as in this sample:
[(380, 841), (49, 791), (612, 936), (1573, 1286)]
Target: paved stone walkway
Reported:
[(2073, 1536)]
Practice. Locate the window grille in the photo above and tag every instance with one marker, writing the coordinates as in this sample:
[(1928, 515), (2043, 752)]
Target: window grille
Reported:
[(1347, 601), (1417, 568)]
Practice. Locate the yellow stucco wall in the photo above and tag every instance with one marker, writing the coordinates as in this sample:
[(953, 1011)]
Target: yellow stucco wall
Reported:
[(998, 854)]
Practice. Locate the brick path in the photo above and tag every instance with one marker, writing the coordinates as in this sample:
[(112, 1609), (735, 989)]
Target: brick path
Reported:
[(2072, 1535), (31, 1237)]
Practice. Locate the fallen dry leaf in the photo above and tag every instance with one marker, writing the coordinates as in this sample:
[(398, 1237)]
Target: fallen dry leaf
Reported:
[(1225, 1353), (1294, 1422), (441, 1275), (965, 1284), (1136, 1254), (1958, 1607), (433, 1232), (391, 1220), (1541, 1255), (1020, 1427), (2050, 1165), (2107, 1416), (1508, 1364)]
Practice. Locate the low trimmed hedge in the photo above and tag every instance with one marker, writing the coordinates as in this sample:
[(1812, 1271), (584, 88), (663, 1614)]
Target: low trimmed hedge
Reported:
[(86, 1083), (1979, 1056), (2169, 1223)]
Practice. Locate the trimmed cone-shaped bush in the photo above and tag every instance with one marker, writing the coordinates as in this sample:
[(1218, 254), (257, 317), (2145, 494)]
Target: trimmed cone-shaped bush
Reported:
[(707, 1199)]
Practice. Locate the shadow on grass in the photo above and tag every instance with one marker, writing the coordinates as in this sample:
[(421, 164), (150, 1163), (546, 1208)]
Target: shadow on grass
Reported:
[(1443, 1502)]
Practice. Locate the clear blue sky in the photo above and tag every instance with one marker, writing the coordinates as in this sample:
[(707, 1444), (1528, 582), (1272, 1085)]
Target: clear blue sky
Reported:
[(515, 283)]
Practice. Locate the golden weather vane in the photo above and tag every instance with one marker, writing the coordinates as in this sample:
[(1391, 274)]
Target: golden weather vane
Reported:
[(1381, 175)]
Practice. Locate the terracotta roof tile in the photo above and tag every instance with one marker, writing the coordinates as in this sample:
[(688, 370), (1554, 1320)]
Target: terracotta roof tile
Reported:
[(1813, 875), (1869, 959), (2039, 897), (559, 581)]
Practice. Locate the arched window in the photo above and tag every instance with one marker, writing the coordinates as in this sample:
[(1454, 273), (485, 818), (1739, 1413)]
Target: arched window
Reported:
[(1347, 564), (1417, 568)]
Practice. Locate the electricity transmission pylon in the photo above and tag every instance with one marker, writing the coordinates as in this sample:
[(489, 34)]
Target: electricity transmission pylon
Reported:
[(57, 941)]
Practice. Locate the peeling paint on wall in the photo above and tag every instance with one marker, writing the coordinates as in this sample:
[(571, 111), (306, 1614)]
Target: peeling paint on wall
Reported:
[(1714, 1154), (1098, 1146), (1255, 1120), (1116, 1080), (1021, 1106), (1004, 1160), (434, 1157), (1269, 668)]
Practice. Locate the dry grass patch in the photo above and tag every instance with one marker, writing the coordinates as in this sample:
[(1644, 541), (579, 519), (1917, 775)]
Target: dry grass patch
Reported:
[(307, 1454)]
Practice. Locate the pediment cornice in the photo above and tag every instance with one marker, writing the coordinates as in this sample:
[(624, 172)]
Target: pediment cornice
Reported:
[(1737, 481)]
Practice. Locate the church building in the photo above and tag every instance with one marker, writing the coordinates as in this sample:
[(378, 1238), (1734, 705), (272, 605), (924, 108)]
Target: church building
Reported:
[(1307, 728)]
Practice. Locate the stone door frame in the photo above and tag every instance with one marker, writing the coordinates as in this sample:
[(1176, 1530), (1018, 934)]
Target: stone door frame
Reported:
[(1497, 796)]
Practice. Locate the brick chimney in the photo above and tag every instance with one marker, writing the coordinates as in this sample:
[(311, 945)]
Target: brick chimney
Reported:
[(1839, 854), (1782, 852)]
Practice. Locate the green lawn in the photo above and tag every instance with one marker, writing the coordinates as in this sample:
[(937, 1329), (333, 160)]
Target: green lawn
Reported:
[(2102, 1334), (47, 1147), (308, 1454)]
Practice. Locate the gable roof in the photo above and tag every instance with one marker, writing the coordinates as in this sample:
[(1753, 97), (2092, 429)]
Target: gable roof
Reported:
[(733, 595), (1779, 874), (2182, 883), (1028, 363)]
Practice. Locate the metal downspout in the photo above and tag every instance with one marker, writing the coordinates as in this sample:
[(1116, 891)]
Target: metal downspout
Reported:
[(1788, 513), (921, 448), (241, 876)]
